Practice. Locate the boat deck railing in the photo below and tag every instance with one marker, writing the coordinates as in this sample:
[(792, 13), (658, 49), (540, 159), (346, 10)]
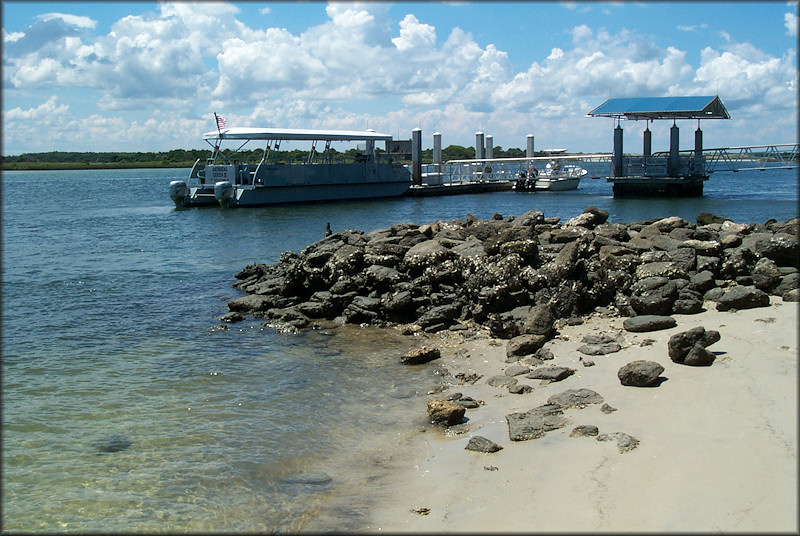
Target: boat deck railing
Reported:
[(248, 171)]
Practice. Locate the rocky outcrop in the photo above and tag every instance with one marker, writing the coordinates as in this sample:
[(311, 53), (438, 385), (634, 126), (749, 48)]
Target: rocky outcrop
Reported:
[(519, 276)]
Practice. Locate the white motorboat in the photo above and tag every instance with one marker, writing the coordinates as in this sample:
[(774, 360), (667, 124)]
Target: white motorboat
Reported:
[(228, 180), (555, 177)]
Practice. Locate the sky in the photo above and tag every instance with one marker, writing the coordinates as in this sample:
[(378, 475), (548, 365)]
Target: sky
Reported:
[(149, 76)]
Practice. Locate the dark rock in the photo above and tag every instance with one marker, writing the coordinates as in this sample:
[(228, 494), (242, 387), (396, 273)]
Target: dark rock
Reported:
[(742, 297), (524, 345), (445, 412), (534, 423), (113, 443), (551, 373), (421, 355), (584, 430), (788, 282), (781, 248), (519, 389), (702, 281), (232, 317), (698, 356), (501, 380), (705, 218), (540, 321), (605, 408), (589, 218), (689, 302), (640, 374), (645, 323), (740, 262), (442, 314), (600, 349), (653, 296), (516, 370), (680, 344), (625, 443), (791, 295), (766, 274), (481, 444), (575, 398)]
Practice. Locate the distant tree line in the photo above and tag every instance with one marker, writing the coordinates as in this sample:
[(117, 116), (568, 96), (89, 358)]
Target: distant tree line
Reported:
[(187, 157)]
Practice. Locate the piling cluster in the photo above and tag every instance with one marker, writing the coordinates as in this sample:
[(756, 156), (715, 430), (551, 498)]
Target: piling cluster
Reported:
[(518, 275)]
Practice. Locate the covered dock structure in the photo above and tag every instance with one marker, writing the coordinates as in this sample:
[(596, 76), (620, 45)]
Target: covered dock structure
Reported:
[(661, 174)]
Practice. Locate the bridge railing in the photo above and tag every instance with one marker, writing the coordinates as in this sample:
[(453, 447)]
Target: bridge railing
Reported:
[(760, 157), (501, 169)]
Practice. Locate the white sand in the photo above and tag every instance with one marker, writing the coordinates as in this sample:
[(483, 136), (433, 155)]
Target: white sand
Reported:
[(717, 452)]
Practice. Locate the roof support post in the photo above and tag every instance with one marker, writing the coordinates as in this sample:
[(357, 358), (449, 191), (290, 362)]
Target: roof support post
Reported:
[(616, 159), (674, 163), (647, 150), (416, 156)]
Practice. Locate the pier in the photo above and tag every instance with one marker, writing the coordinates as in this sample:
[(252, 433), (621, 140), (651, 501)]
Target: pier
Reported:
[(663, 174), (673, 173)]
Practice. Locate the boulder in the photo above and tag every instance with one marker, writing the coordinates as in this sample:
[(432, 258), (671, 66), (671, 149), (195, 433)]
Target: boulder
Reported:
[(680, 344), (575, 398), (421, 355), (445, 412), (551, 373), (536, 422), (524, 345), (584, 430), (653, 296), (481, 444), (742, 297), (640, 373), (698, 356), (645, 323)]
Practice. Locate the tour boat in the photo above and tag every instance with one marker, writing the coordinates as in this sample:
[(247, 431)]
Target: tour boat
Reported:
[(229, 180)]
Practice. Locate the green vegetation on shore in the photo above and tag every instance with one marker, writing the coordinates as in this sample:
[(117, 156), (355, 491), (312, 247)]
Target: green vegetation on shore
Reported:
[(180, 158)]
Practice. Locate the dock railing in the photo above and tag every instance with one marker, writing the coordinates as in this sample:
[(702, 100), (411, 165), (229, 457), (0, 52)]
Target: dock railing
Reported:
[(760, 157), (455, 172)]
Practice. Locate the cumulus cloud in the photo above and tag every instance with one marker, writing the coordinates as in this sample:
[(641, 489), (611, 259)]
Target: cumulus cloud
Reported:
[(790, 20), (413, 34)]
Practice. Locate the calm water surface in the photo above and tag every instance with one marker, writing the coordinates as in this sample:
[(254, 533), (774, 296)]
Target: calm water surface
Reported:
[(124, 411)]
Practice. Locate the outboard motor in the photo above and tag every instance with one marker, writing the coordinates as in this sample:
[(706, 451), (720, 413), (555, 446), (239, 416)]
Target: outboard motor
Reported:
[(179, 192), (223, 192)]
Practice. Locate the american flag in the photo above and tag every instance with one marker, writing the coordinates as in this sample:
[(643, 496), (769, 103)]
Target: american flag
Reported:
[(221, 122)]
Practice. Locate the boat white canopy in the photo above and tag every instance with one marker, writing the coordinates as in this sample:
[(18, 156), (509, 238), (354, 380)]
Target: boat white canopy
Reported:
[(247, 133)]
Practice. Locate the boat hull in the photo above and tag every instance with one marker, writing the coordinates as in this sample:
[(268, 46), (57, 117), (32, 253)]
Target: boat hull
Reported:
[(557, 185), (301, 183)]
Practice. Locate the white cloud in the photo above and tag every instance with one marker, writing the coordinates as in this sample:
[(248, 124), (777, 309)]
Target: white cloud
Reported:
[(72, 20), (413, 34), (790, 20)]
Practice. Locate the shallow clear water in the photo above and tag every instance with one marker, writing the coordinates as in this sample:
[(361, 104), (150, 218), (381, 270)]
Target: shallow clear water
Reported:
[(124, 411)]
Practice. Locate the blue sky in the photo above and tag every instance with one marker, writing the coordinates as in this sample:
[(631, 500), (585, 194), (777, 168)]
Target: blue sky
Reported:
[(147, 76)]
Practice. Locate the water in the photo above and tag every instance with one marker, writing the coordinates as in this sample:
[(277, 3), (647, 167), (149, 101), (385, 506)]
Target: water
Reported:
[(123, 410)]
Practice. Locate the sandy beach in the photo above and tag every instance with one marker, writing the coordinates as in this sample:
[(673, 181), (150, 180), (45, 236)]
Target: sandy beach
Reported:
[(717, 444)]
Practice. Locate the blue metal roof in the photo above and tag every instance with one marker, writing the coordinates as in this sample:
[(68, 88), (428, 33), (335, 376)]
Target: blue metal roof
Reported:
[(663, 108)]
